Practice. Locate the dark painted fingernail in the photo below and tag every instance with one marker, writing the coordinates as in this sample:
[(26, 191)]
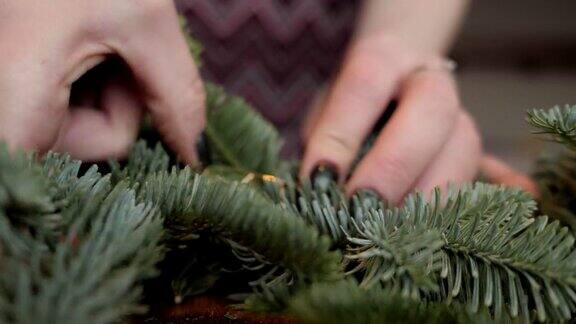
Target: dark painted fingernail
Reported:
[(202, 149), (369, 198), (323, 175)]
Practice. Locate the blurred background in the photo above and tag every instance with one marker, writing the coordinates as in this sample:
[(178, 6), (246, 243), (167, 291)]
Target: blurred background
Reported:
[(513, 56), (516, 55)]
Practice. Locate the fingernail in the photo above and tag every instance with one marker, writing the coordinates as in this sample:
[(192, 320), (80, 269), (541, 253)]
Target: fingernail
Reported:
[(370, 198), (323, 175), (202, 149)]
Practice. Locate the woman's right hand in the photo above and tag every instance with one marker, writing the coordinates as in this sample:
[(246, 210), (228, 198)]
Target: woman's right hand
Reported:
[(47, 45)]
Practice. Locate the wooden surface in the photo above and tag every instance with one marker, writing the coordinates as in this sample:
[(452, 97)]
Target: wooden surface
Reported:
[(207, 309)]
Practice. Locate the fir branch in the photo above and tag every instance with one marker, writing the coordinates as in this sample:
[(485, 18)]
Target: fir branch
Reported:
[(273, 298), (25, 195), (186, 270), (142, 161), (238, 136), (83, 247), (68, 186), (494, 254), (33, 197), (346, 302), (15, 241), (400, 253), (402, 246), (556, 178), (21, 186), (559, 123), (327, 208), (91, 276), (240, 214)]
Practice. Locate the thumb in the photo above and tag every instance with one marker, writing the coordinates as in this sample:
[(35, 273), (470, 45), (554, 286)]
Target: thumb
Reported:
[(105, 128)]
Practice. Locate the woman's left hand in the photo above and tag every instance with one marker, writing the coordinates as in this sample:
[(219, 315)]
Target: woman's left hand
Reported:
[(429, 141)]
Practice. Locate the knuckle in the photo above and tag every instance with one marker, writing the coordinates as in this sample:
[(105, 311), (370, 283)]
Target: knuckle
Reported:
[(440, 86), (336, 143), (440, 91), (366, 75), (392, 169)]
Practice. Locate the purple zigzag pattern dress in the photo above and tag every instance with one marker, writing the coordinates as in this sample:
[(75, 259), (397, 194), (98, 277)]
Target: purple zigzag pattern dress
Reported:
[(274, 53)]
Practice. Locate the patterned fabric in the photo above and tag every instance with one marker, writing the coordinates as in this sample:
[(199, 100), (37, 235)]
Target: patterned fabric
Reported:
[(274, 53)]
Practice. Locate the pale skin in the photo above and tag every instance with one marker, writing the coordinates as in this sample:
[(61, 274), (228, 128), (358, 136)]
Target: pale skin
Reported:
[(47, 45)]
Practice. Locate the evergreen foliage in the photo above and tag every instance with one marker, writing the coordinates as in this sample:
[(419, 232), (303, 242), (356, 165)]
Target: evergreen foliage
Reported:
[(233, 132), (481, 247), (559, 123), (345, 302), (242, 217), (556, 171), (74, 247)]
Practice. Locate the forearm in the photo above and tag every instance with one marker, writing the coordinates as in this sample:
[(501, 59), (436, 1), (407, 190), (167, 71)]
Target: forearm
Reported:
[(428, 25)]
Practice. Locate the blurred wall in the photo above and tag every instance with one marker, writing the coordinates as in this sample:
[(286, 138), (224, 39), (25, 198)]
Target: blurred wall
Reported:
[(516, 55)]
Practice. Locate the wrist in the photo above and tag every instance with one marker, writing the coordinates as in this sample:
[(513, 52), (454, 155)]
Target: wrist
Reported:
[(396, 40), (387, 47), (427, 26)]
